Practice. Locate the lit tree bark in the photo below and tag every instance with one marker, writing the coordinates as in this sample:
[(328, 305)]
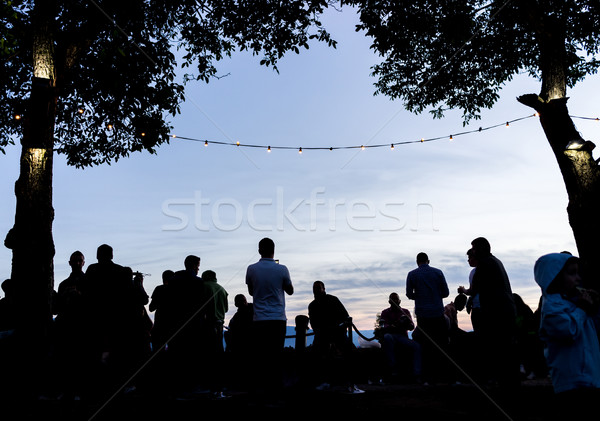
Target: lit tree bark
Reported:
[(31, 236), (580, 172)]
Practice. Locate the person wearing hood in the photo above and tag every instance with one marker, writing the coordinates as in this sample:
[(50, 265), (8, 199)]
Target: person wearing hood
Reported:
[(568, 332)]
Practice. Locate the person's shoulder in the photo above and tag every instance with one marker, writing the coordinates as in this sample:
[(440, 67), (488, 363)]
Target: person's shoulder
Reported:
[(437, 270), (413, 271)]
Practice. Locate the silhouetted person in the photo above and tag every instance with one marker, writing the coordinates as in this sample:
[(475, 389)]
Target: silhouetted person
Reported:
[(330, 320), (526, 336), (472, 305), (187, 312), (427, 286), (268, 282), (216, 307), (498, 315), (239, 335), (7, 311), (72, 330), (143, 322), (400, 351), (159, 303), (238, 339), (114, 306)]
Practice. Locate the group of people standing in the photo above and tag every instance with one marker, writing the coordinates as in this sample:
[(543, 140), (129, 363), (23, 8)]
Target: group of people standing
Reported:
[(103, 333)]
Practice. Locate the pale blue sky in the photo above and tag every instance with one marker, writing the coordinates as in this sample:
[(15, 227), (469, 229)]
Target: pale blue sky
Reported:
[(354, 219)]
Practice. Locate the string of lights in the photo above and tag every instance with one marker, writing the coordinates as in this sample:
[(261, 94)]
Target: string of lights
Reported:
[(391, 145)]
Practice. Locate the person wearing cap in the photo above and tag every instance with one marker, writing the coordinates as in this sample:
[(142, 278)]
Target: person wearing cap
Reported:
[(568, 331)]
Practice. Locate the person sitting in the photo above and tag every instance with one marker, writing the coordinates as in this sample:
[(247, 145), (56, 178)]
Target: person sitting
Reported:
[(394, 324)]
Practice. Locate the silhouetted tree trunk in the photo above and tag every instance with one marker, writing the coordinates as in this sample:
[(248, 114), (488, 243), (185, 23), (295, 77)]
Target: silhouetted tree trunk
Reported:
[(580, 172), (31, 236)]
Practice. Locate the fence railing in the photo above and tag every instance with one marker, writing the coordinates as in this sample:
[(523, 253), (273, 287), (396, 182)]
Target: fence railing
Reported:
[(302, 331)]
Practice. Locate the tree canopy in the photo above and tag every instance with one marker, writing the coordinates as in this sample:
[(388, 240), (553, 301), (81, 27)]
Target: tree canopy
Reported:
[(116, 63), (440, 54)]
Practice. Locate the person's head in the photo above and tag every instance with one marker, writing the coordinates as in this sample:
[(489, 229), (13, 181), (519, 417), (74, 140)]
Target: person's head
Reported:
[(394, 300), (192, 264), (7, 286), (77, 261), (422, 259), (104, 253), (481, 247), (266, 248), (318, 289), (471, 259), (209, 276), (240, 300), (460, 302), (167, 276), (557, 273)]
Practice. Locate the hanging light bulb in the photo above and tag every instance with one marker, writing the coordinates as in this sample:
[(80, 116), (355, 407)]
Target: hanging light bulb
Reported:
[(451, 138), (392, 146), (18, 116), (507, 124), (300, 150), (237, 143), (109, 126), (268, 149), (206, 143)]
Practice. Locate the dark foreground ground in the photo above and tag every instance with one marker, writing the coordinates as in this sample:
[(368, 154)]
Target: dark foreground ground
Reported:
[(533, 400)]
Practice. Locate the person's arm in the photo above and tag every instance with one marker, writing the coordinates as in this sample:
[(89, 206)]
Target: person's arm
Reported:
[(563, 324), (287, 283), (410, 292), (444, 286), (154, 301), (249, 282)]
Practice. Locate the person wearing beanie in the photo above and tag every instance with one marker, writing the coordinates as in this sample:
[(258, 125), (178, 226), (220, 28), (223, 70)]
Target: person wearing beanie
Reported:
[(568, 332)]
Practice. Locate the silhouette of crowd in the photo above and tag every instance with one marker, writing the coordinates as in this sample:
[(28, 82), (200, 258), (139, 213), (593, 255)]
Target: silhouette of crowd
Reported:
[(104, 341)]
